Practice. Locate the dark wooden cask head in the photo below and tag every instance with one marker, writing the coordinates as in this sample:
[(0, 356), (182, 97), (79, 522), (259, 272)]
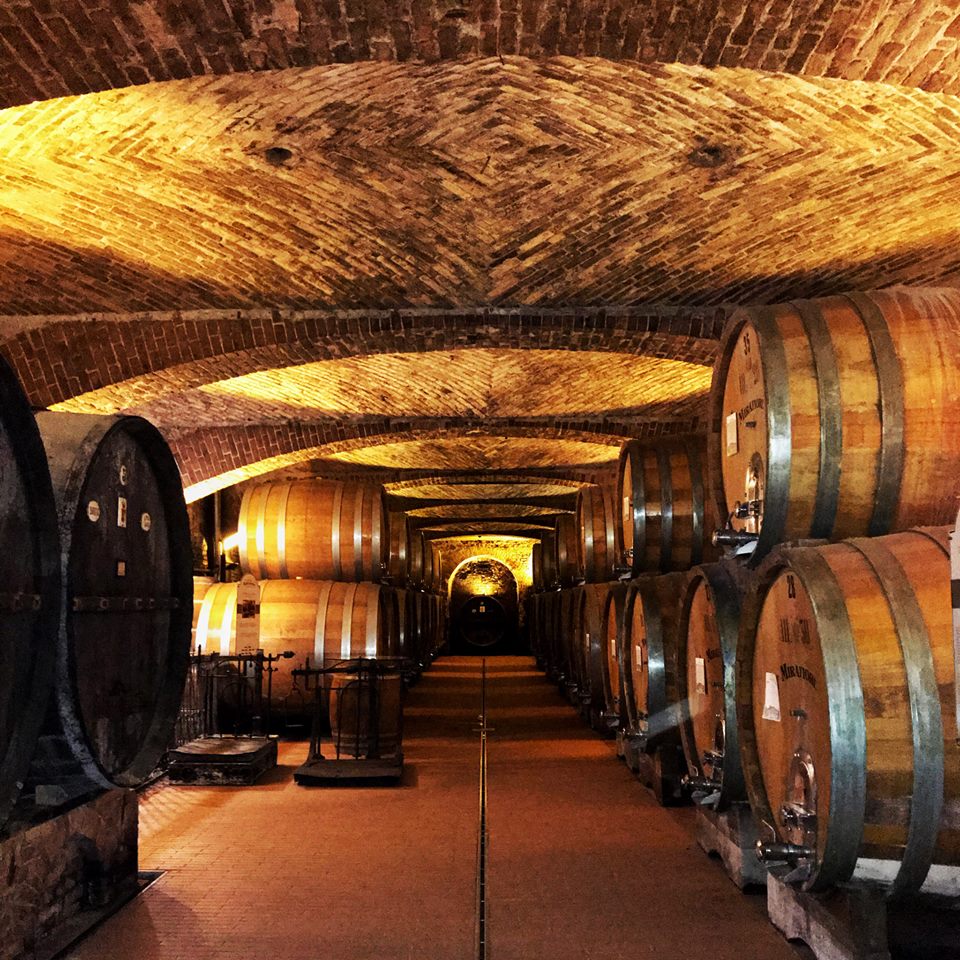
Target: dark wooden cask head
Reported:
[(29, 594), (127, 588)]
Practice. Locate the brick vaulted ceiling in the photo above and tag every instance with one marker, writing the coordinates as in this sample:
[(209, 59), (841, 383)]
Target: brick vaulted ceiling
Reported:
[(436, 242)]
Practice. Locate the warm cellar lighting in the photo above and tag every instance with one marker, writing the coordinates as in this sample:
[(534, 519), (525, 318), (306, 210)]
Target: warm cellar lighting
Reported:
[(231, 542)]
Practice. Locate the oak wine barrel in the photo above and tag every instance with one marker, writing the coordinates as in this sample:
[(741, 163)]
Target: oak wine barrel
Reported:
[(567, 539), (596, 543), (837, 417), (607, 665), (663, 521), (325, 621), (482, 622), (397, 563), (416, 555), (848, 735), (709, 620), (366, 713), (314, 529), (592, 640), (126, 591), (648, 667), (30, 592)]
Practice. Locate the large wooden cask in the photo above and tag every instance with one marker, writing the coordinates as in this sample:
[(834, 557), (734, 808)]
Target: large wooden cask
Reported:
[(596, 541), (126, 591), (608, 663), (567, 563), (314, 529), (366, 712), (325, 621), (648, 660), (846, 704), (397, 563), (663, 521), (416, 555), (592, 683), (709, 621), (29, 595), (838, 417)]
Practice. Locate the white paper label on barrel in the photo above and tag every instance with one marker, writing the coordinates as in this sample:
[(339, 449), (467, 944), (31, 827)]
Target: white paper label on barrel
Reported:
[(700, 667), (123, 474), (121, 511), (639, 653), (145, 522), (93, 511), (613, 645), (626, 509), (732, 441), (771, 698)]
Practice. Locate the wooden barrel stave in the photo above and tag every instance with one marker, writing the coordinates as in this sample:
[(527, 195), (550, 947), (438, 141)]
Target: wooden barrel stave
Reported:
[(124, 637), (870, 713), (30, 593), (314, 529), (853, 412)]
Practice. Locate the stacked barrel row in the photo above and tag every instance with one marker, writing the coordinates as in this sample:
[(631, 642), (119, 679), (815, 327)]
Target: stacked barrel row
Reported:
[(321, 550), (810, 673), (95, 603)]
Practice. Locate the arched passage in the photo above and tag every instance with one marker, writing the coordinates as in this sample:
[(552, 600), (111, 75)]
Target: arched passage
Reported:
[(484, 607)]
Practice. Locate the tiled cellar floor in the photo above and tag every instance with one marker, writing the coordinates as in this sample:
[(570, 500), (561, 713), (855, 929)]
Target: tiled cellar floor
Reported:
[(583, 863)]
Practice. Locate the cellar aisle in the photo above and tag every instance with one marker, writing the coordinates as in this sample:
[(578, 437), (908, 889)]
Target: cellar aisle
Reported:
[(583, 863)]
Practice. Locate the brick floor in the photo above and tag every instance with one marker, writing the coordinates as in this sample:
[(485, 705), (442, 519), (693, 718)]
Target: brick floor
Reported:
[(583, 863)]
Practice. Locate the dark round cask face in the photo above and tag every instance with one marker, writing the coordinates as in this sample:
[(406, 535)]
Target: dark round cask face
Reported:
[(29, 593), (791, 713), (126, 604), (120, 549), (743, 436)]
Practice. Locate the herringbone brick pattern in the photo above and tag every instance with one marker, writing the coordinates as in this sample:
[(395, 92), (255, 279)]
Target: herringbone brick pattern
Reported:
[(560, 182)]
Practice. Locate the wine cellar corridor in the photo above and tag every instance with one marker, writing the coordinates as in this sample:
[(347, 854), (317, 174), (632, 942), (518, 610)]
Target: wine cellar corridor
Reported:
[(567, 875), (479, 479)]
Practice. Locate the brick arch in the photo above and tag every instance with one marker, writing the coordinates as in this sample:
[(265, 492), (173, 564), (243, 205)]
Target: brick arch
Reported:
[(116, 362), (73, 46), (214, 458)]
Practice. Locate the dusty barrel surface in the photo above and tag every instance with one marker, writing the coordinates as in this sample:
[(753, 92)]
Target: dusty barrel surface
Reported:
[(662, 519), (838, 417), (567, 563), (707, 630), (126, 591), (30, 593), (846, 709), (596, 541), (315, 529), (648, 665)]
